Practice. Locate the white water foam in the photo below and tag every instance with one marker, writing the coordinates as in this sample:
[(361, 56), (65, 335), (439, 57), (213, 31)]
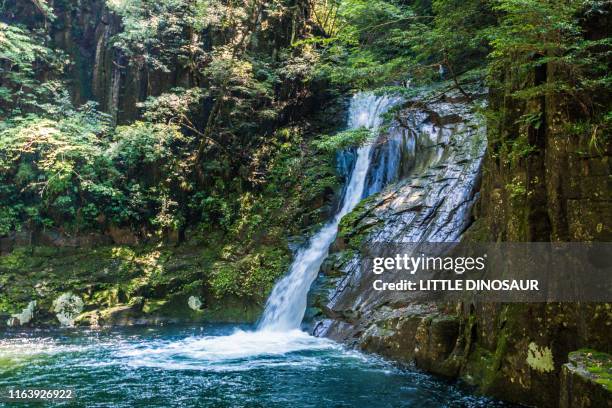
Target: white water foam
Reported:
[(240, 351), (278, 341), (23, 351), (278, 333)]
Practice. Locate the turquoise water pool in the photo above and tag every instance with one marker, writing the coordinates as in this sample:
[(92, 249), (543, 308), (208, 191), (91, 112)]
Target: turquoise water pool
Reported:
[(214, 366)]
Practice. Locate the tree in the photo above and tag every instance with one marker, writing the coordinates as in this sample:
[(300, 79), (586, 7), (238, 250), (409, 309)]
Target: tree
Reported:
[(24, 61)]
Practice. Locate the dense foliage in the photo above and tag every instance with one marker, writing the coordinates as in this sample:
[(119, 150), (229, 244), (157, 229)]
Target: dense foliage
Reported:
[(230, 151)]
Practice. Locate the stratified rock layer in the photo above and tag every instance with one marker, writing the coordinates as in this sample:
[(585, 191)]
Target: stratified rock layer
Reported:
[(513, 351), (440, 156)]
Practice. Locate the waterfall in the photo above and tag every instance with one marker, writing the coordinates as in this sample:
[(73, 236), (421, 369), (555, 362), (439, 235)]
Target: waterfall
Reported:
[(286, 305), (427, 171)]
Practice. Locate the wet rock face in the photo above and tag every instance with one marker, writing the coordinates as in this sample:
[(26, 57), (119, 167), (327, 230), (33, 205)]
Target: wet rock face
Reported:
[(425, 170), (427, 192), (433, 166)]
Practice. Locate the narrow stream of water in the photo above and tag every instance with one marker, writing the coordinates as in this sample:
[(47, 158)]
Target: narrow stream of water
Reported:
[(287, 303)]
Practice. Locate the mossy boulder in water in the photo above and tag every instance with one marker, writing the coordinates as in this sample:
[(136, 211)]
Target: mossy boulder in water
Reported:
[(23, 317), (67, 307)]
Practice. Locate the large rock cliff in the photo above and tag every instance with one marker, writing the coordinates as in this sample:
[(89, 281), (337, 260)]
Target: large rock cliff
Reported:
[(450, 190)]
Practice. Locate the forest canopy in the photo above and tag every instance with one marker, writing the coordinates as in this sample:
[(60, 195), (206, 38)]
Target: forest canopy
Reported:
[(220, 146)]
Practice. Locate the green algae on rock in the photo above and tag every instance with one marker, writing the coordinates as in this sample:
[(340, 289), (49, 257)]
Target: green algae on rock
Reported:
[(586, 380)]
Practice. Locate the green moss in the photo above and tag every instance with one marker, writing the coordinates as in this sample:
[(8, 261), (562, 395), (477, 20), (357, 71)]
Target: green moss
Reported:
[(17, 259), (606, 382), (164, 277), (154, 306), (486, 367), (355, 226), (350, 220), (596, 363), (479, 231), (251, 275), (540, 358), (479, 367)]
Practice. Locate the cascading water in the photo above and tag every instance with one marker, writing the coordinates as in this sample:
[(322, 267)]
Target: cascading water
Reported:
[(224, 365), (286, 305), (426, 168)]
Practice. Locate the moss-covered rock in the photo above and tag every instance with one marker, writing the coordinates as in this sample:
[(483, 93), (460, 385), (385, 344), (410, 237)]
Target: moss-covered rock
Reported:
[(118, 285), (436, 339), (586, 380)]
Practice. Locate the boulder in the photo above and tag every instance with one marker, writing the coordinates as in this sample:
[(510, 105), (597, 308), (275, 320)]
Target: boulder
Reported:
[(586, 380), (122, 236)]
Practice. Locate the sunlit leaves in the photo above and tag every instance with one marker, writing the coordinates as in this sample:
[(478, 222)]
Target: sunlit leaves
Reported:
[(366, 47), (23, 56), (343, 140), (537, 33)]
